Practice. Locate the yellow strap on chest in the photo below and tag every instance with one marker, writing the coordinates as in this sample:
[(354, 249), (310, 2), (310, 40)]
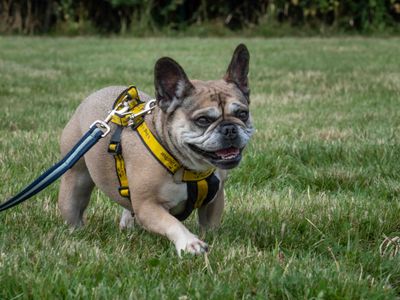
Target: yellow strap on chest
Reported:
[(202, 191), (189, 175)]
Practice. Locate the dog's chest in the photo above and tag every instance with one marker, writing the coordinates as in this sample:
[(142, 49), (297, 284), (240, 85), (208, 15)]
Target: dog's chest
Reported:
[(174, 196)]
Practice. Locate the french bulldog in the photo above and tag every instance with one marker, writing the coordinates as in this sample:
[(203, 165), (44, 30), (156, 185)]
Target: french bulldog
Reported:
[(203, 124)]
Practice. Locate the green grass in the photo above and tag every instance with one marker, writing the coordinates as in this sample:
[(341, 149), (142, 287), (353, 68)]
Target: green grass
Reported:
[(307, 210)]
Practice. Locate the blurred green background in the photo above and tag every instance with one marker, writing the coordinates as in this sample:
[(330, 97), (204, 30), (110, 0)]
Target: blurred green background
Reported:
[(199, 17)]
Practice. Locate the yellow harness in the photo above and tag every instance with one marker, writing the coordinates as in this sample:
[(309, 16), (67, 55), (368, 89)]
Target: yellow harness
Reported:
[(201, 186)]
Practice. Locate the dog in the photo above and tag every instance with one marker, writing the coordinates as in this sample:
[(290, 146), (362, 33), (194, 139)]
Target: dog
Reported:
[(203, 124)]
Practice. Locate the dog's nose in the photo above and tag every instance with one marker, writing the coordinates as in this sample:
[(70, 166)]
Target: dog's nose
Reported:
[(229, 131)]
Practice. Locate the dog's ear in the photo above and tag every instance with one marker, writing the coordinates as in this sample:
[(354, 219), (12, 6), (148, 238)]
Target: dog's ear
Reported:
[(238, 69), (171, 83)]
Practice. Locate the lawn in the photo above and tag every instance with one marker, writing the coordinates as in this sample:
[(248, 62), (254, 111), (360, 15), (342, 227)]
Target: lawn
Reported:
[(307, 211)]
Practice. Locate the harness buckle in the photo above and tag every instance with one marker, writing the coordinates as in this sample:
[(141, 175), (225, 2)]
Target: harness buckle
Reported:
[(136, 122), (114, 148), (124, 191)]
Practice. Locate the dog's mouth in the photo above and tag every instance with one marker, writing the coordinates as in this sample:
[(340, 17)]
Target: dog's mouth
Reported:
[(226, 158)]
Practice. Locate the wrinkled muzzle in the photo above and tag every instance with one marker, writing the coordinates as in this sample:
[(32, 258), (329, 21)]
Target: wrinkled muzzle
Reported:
[(223, 146)]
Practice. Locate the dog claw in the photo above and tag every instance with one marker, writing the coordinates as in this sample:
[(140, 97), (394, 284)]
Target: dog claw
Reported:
[(197, 247), (193, 246)]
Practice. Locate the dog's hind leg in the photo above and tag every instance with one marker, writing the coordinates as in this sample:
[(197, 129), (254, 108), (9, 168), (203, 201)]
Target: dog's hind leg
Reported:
[(76, 184), (75, 190), (127, 220)]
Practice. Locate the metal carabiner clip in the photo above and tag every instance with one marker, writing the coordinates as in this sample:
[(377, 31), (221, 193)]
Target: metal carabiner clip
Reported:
[(104, 124), (149, 106)]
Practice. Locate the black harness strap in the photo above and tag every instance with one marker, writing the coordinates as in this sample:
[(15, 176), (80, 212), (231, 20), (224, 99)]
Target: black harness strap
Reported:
[(192, 191)]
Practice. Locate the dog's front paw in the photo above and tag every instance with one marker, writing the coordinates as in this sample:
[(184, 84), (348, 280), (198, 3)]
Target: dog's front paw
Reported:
[(191, 244)]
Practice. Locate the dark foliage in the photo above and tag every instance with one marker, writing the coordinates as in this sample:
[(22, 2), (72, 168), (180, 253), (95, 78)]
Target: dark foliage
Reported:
[(119, 16)]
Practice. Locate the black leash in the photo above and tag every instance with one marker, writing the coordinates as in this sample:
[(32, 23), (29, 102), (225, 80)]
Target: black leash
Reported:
[(48, 177)]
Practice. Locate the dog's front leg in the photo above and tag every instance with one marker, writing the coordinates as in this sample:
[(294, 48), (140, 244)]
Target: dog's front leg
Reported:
[(210, 215), (154, 217)]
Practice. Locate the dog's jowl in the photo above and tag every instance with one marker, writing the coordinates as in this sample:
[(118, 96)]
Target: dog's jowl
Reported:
[(174, 161)]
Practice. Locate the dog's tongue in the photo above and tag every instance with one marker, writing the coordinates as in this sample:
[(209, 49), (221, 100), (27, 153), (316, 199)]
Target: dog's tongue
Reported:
[(228, 153)]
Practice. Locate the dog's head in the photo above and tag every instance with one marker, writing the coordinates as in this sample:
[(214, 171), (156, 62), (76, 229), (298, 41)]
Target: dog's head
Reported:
[(206, 123)]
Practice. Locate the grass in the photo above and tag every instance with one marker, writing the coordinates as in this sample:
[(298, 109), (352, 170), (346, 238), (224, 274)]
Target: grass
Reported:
[(316, 195)]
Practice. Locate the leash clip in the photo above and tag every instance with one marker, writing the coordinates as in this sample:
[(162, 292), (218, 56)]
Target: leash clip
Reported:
[(149, 106), (123, 111), (103, 125)]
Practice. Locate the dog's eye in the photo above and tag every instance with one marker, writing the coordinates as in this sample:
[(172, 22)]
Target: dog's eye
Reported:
[(203, 121), (243, 115)]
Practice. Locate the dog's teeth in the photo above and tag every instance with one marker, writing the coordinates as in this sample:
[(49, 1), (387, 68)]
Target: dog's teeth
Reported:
[(227, 157), (227, 154)]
